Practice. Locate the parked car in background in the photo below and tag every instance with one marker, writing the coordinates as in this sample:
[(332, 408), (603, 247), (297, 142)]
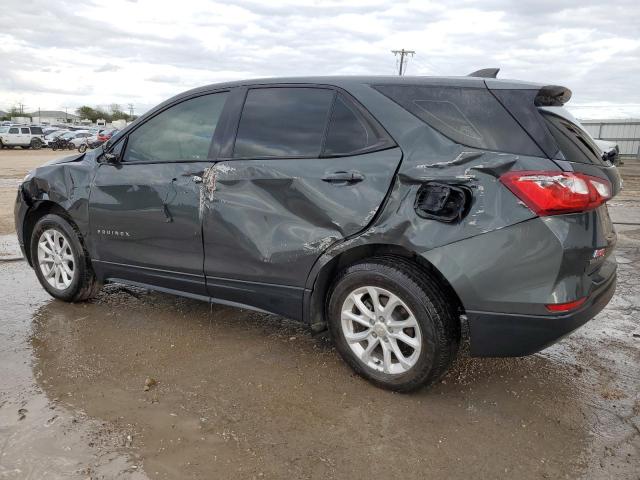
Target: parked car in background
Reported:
[(392, 211), (105, 135), (79, 138), (610, 151), (23, 136)]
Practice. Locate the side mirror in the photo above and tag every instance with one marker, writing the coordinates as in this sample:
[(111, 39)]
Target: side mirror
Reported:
[(112, 158)]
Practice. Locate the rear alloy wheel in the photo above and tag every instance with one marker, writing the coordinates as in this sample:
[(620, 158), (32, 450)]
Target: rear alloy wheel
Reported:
[(36, 144), (393, 323), (381, 330)]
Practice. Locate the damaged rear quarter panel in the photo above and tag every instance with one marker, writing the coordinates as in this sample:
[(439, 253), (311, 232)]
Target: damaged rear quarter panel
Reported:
[(431, 157)]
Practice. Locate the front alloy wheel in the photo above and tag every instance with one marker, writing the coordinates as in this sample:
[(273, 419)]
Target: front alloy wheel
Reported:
[(381, 330), (55, 259), (61, 263)]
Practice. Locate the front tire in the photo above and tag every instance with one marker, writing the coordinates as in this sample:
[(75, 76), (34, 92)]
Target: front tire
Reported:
[(60, 261), (393, 323)]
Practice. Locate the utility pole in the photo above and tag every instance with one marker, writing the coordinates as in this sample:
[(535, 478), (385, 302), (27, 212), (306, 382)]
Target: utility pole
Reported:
[(403, 53), (131, 109)]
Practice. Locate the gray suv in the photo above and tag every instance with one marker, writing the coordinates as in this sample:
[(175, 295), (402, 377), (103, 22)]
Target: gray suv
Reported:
[(387, 210)]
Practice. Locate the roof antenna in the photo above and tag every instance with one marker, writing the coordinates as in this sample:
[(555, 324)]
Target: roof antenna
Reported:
[(485, 73)]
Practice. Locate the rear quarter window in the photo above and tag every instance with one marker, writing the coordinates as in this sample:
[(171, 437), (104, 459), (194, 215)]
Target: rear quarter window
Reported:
[(469, 116), (351, 132)]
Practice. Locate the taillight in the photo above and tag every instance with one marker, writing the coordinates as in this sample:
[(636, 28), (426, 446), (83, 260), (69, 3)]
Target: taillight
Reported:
[(566, 307), (553, 193)]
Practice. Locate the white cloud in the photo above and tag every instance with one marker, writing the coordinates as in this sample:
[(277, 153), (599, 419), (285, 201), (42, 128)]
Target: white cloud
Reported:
[(65, 53)]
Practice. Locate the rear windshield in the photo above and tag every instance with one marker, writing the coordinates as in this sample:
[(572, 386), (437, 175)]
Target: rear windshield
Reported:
[(470, 116), (573, 141)]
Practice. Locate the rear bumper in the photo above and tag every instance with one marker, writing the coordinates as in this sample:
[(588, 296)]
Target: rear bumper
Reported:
[(515, 335)]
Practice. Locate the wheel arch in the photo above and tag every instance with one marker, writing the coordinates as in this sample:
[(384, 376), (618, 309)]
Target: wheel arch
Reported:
[(315, 300), (35, 213)]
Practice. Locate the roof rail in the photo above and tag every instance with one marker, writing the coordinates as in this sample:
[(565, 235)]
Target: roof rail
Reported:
[(485, 73)]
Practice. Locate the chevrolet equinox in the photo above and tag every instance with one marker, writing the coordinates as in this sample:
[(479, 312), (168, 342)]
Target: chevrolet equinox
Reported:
[(389, 210)]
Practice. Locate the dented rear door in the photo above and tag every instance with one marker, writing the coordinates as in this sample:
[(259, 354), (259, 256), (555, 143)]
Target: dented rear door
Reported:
[(307, 169)]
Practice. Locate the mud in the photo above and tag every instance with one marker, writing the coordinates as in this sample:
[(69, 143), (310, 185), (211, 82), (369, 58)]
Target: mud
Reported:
[(239, 394)]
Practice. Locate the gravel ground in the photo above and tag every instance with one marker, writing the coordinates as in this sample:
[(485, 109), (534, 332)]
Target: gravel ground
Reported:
[(137, 384)]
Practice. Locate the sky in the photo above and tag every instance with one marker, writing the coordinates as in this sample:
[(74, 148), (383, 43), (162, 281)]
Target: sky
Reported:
[(57, 54)]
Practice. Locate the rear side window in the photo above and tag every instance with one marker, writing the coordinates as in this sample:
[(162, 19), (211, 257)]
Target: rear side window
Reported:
[(36, 131), (575, 144), (182, 132), (283, 122), (24, 130), (470, 116)]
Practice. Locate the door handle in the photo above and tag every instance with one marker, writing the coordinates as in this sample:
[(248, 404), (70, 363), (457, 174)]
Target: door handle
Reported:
[(343, 177)]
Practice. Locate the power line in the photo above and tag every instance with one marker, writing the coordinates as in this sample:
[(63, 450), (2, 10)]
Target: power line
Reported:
[(403, 53)]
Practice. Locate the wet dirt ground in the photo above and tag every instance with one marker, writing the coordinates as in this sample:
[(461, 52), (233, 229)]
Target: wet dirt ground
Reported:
[(239, 394)]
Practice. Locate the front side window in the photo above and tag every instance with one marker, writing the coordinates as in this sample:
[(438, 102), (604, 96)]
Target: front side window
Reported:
[(283, 122), (14, 130), (182, 132)]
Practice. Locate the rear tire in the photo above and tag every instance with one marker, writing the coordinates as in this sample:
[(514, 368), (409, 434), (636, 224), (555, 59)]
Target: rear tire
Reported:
[(82, 148), (60, 261), (36, 144), (405, 346)]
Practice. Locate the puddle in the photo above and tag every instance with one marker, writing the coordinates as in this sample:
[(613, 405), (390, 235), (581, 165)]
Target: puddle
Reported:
[(247, 395)]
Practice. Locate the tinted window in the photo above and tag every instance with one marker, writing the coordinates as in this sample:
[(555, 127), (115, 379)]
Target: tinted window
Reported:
[(14, 130), (283, 122), (575, 144), (24, 130), (182, 132), (348, 131), (36, 130), (470, 116)]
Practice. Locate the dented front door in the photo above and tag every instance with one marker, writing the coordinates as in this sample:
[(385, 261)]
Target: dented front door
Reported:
[(267, 221)]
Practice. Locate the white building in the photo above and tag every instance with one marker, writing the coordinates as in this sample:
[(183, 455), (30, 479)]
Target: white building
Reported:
[(626, 133), (52, 117)]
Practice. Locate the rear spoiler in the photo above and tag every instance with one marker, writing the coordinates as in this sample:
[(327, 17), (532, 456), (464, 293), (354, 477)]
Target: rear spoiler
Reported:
[(552, 96), (485, 73)]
